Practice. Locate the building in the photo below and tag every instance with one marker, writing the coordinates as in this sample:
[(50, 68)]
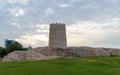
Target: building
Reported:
[(29, 47), (8, 43), (57, 35)]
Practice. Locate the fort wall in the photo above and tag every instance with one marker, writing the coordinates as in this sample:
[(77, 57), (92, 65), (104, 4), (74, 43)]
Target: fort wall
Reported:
[(57, 35)]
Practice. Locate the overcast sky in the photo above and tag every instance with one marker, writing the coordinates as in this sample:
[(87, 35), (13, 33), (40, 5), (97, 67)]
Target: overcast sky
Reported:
[(89, 22)]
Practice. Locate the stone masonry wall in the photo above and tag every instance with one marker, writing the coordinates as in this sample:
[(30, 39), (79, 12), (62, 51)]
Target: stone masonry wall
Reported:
[(43, 53), (57, 35)]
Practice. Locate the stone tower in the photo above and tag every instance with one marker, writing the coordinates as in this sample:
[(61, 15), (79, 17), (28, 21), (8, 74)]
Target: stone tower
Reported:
[(57, 35)]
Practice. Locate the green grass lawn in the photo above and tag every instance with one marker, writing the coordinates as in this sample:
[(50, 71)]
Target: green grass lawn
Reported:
[(70, 66)]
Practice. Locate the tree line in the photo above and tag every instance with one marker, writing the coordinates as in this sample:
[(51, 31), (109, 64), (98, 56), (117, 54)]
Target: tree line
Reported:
[(16, 46)]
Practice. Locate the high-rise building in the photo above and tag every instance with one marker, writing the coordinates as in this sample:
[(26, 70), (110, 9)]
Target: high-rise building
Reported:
[(57, 35), (8, 43)]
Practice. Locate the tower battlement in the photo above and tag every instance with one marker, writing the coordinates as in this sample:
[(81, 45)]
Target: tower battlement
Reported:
[(57, 24), (57, 35)]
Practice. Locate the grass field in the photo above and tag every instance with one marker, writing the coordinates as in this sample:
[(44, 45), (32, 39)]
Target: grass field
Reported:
[(70, 66)]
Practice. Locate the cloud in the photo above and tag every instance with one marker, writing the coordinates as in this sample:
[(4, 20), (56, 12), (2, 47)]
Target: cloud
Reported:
[(33, 40), (75, 0), (38, 38), (18, 12), (93, 34), (49, 11), (64, 5), (18, 1)]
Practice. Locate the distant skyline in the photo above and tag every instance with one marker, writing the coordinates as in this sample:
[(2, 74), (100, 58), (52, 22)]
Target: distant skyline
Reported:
[(93, 23)]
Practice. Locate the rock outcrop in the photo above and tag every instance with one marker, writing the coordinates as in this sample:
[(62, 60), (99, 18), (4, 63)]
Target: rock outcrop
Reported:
[(51, 53)]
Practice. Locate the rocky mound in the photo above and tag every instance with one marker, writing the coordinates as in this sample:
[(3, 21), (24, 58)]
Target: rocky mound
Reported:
[(51, 53)]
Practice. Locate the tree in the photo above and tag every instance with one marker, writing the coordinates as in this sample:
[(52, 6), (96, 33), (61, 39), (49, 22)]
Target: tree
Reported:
[(15, 46), (1, 52)]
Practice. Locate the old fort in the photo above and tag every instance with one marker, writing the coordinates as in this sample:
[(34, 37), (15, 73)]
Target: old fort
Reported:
[(58, 48)]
